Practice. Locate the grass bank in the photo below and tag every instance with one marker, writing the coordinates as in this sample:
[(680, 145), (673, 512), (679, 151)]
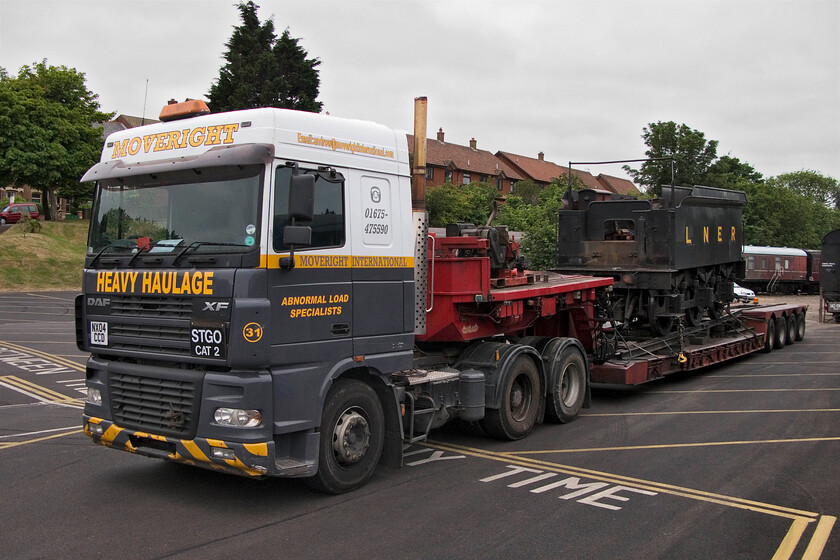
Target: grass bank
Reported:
[(51, 259)]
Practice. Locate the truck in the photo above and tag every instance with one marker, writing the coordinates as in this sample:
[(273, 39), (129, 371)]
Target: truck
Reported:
[(262, 296)]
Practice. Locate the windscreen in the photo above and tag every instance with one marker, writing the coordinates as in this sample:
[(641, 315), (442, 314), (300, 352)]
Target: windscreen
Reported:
[(208, 210)]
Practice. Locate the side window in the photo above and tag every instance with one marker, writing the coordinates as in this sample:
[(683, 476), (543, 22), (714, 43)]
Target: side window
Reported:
[(328, 219)]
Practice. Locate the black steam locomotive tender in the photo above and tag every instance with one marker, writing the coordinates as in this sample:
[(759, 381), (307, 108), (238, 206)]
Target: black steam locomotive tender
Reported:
[(673, 259)]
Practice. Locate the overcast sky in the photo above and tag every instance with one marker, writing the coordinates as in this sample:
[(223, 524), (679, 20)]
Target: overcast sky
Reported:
[(576, 80)]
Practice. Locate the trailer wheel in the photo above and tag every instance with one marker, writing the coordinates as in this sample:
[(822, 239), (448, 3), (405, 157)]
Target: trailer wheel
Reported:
[(352, 435), (790, 320), (780, 339), (516, 416), (800, 327), (569, 390), (769, 336)]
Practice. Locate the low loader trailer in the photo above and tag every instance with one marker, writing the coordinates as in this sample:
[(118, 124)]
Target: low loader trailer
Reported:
[(262, 297), (741, 331)]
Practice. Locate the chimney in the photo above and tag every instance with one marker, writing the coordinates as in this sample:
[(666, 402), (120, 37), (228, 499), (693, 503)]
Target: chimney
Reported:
[(440, 135), (541, 156), (473, 143)]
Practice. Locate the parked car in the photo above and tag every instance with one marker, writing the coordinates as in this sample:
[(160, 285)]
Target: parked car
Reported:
[(14, 212), (743, 294)]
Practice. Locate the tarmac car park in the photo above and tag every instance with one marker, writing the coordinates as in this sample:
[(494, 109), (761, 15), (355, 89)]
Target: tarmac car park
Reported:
[(738, 460)]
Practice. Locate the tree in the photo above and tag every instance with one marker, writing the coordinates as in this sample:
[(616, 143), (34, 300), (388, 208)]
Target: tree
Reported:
[(538, 221), (687, 148), (821, 189), (448, 203), (727, 171), (262, 71), (47, 137)]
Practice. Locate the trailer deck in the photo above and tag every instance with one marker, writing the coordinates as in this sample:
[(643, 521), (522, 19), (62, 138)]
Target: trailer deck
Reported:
[(741, 331)]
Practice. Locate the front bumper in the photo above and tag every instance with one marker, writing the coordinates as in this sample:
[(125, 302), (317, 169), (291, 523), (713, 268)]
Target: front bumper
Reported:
[(244, 459)]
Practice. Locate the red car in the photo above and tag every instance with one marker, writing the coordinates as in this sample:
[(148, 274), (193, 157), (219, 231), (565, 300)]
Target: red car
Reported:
[(13, 212)]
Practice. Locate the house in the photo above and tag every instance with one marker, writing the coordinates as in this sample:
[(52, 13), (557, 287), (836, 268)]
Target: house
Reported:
[(543, 172), (462, 165)]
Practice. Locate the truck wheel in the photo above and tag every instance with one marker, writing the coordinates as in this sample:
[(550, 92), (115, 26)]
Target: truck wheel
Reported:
[(800, 327), (352, 435), (517, 414), (790, 320), (569, 389), (780, 339), (769, 336)]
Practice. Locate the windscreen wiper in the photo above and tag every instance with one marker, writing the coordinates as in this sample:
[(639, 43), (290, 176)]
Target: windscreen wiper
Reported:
[(116, 245), (197, 244)]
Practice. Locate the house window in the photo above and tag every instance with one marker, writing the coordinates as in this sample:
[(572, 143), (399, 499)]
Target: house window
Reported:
[(430, 173), (512, 185), (499, 184), (466, 180), (447, 176), (483, 179), (36, 197)]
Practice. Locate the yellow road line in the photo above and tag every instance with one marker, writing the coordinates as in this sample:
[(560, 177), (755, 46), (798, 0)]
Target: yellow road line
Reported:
[(36, 391), (9, 444), (49, 357), (673, 490), (679, 413), (670, 446), (821, 533), (791, 540)]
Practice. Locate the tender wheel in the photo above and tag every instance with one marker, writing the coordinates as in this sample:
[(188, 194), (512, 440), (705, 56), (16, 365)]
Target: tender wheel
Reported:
[(520, 402), (352, 435), (800, 327), (716, 310), (769, 336), (569, 391), (663, 325), (791, 329), (780, 339)]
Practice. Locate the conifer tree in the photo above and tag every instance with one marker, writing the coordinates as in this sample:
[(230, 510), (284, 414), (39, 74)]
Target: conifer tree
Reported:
[(262, 71)]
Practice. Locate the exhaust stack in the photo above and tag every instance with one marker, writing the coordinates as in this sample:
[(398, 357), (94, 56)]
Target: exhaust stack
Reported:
[(420, 218)]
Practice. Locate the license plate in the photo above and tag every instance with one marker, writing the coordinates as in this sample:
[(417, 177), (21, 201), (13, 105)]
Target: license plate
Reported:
[(99, 333), (208, 342), (834, 306)]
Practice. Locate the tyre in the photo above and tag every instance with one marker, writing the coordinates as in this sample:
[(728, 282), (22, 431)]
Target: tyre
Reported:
[(780, 339), (516, 416), (800, 326), (790, 320), (569, 390), (352, 436), (769, 336), (2, 221)]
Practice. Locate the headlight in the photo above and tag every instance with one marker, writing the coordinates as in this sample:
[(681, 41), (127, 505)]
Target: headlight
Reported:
[(237, 417), (94, 396)]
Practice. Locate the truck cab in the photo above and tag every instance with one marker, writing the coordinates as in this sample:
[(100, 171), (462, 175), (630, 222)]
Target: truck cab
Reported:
[(214, 340)]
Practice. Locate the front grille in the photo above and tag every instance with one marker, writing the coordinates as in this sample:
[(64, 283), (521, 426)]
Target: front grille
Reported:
[(162, 406), (158, 326), (151, 307)]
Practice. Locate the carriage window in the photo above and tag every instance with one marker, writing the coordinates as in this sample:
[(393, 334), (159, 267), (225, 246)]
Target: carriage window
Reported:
[(328, 220), (751, 262), (619, 230)]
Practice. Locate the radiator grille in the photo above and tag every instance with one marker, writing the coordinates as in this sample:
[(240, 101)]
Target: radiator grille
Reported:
[(152, 307), (162, 406)]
